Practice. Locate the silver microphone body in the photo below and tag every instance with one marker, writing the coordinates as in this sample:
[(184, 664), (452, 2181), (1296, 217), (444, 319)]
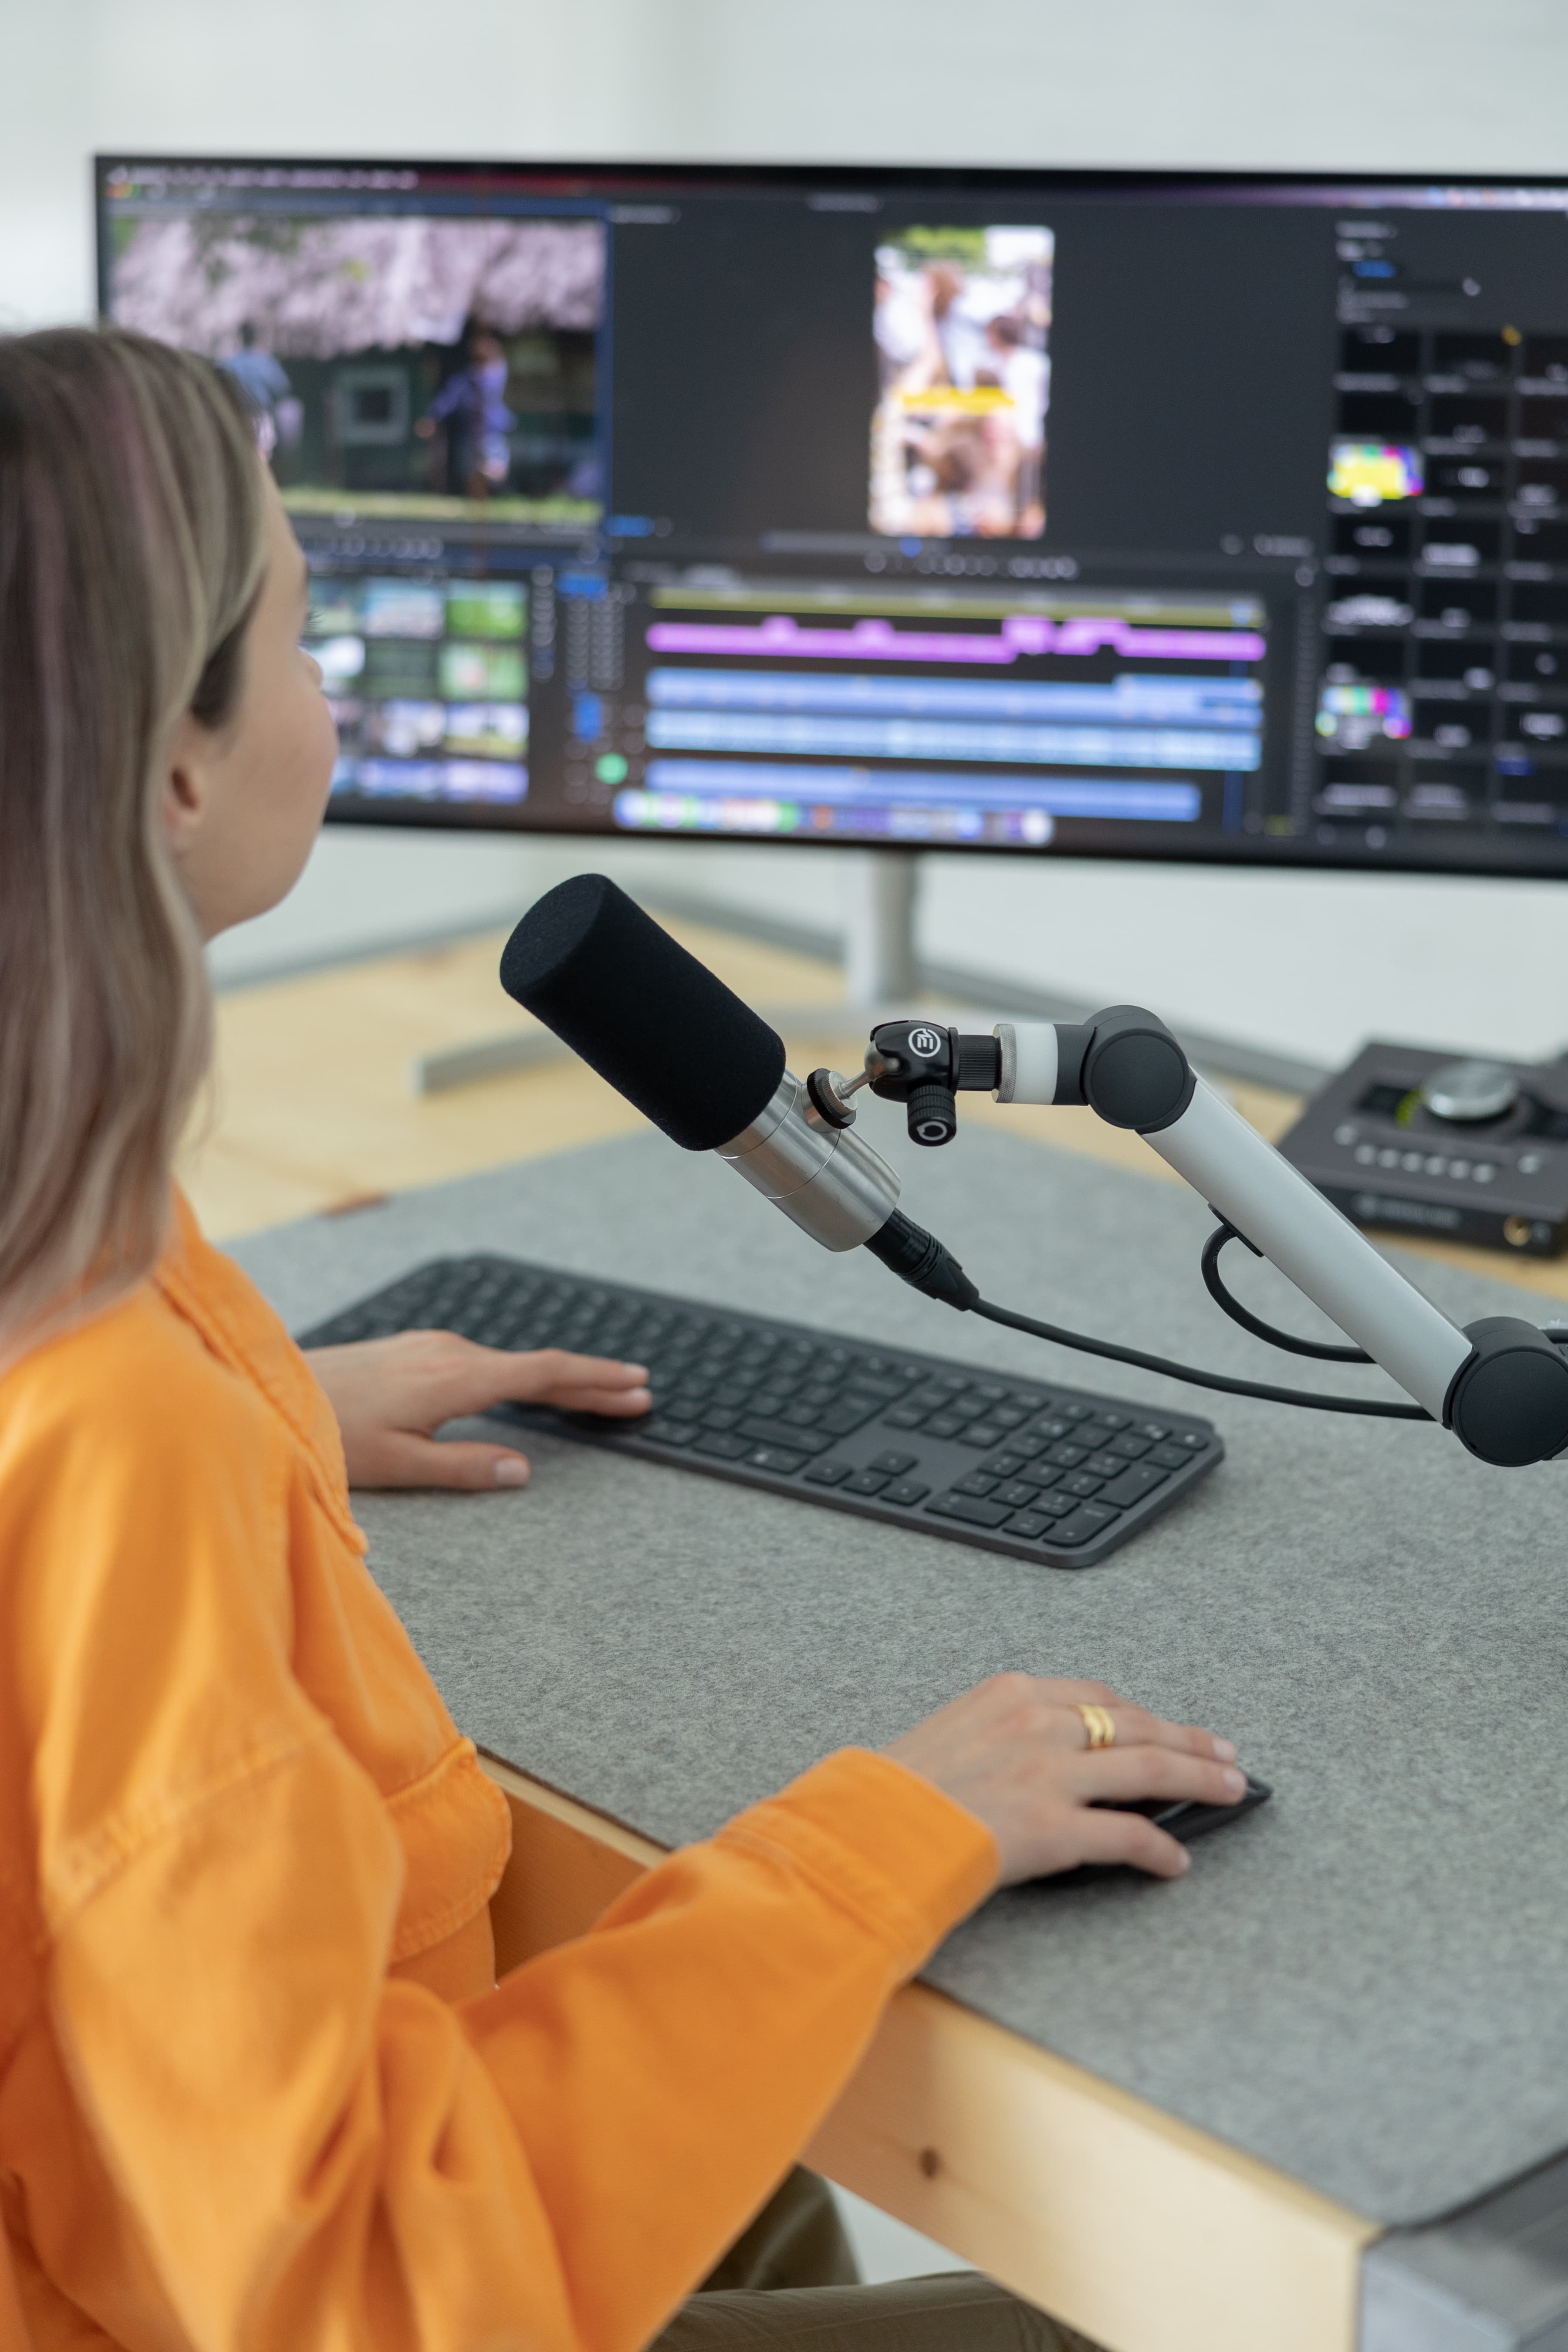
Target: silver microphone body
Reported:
[(825, 1179)]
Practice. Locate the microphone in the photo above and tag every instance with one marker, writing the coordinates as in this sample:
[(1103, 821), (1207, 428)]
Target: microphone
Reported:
[(667, 1035)]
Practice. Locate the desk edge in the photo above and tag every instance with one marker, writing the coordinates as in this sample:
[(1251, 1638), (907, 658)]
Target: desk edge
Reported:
[(1142, 2230)]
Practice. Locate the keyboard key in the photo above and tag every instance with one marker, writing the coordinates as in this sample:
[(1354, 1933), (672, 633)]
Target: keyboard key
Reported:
[(907, 1491), (864, 1482), (893, 1465), (1064, 1456), (1103, 1464), (1056, 1507), (801, 1417), (773, 1457), (1088, 1520), (1075, 1413), (976, 1483), (828, 1473), (723, 1444), (719, 1416), (981, 1432), (841, 1419), (1130, 1446), (1139, 1479), (1028, 1447), (758, 1431), (1028, 1523), (1191, 1441), (667, 1433), (905, 1416), (978, 1512), (1017, 1492), (1007, 1416), (944, 1424), (1170, 1457), (988, 1393), (1109, 1420), (1078, 1482), (1154, 1431), (1041, 1475)]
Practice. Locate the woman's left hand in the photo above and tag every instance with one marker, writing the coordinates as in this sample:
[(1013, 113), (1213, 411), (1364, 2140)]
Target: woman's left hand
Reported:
[(392, 1395)]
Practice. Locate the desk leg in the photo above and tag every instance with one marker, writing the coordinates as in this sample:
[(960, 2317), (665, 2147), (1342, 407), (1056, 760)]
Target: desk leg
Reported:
[(1147, 2234)]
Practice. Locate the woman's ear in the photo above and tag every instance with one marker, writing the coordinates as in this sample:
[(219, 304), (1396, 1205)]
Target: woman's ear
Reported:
[(182, 803)]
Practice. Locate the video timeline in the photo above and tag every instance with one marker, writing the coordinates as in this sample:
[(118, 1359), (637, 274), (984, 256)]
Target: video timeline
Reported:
[(932, 718)]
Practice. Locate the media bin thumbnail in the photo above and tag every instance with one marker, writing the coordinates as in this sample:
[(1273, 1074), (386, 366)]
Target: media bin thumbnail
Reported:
[(432, 369), (962, 325), (427, 681)]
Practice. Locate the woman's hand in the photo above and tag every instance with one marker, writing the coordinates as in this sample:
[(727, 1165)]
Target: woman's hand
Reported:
[(391, 1396), (1014, 1751)]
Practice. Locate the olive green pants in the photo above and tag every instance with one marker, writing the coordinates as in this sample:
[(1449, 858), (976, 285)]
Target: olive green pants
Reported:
[(791, 2278)]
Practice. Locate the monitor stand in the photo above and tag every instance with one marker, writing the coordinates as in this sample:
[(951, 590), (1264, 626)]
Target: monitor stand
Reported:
[(881, 970), (880, 890)]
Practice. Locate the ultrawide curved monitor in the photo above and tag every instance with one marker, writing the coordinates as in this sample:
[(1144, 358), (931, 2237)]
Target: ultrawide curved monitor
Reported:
[(1138, 515)]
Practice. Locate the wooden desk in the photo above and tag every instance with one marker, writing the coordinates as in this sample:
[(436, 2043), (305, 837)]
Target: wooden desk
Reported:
[(1149, 2234)]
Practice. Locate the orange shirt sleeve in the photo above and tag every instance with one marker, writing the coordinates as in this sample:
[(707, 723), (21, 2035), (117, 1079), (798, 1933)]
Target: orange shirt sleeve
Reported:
[(228, 2113), (14, 2337)]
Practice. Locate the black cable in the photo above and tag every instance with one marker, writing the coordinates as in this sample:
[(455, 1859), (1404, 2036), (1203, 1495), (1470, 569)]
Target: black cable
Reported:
[(1185, 1372), (928, 1265), (1215, 1284)]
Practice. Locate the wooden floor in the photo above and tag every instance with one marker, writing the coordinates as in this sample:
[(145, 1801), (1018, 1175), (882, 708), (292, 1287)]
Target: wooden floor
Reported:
[(311, 1108)]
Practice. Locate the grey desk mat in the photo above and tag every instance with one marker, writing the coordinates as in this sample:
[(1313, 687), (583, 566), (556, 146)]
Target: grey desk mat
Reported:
[(1367, 1983)]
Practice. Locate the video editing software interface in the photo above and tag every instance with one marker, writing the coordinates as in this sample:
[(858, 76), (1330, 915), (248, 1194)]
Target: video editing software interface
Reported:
[(1117, 515)]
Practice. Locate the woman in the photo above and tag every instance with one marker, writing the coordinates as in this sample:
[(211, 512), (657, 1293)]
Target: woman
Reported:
[(472, 406), (258, 2084)]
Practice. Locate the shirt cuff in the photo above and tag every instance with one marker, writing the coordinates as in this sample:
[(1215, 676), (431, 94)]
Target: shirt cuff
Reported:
[(907, 1862)]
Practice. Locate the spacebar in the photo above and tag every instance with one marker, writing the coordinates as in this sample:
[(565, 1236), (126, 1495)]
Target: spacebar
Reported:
[(782, 1432)]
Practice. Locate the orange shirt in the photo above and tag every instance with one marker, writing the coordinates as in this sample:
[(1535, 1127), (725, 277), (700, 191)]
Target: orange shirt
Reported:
[(258, 2087)]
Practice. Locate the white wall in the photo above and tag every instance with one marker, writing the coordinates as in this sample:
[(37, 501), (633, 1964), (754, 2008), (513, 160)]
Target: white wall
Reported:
[(1304, 963)]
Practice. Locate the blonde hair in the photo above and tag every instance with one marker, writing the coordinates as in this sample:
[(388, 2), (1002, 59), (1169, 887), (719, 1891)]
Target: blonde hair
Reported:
[(131, 549)]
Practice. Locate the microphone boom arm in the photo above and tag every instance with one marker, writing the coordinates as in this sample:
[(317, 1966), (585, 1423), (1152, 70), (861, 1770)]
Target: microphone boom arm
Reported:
[(1499, 1384)]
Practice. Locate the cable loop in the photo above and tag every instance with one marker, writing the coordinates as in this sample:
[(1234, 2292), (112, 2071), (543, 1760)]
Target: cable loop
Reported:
[(1215, 1284)]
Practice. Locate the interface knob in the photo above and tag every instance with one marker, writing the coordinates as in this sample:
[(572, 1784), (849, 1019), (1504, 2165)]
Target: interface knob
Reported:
[(1469, 1092)]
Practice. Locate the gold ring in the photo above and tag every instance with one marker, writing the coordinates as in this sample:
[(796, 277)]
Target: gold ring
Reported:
[(1100, 1726)]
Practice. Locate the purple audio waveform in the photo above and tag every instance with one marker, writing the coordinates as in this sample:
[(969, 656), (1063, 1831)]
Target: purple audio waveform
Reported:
[(1021, 633)]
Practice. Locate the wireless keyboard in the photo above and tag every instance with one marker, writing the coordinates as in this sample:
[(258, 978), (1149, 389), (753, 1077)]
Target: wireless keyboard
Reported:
[(1055, 1475)]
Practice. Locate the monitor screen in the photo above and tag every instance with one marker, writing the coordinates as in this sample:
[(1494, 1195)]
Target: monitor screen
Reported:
[(1142, 515)]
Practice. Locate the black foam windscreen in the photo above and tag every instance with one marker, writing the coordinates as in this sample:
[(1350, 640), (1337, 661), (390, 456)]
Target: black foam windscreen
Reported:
[(649, 1017)]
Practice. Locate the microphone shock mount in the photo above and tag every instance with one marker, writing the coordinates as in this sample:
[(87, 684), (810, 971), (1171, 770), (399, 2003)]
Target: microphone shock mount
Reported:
[(926, 1066)]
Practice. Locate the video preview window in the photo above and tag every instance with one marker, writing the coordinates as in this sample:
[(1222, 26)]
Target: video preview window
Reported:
[(962, 324), (435, 369)]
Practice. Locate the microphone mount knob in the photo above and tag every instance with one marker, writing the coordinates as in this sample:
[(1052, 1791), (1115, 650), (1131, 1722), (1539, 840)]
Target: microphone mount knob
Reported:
[(933, 1113)]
